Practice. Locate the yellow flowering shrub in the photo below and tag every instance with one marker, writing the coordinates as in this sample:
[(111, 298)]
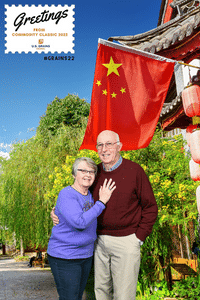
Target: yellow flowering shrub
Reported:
[(62, 175)]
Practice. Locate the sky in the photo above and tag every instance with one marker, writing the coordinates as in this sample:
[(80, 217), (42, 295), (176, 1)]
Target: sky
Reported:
[(28, 83)]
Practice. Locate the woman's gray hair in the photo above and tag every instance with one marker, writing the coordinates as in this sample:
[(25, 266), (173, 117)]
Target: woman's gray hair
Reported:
[(89, 162)]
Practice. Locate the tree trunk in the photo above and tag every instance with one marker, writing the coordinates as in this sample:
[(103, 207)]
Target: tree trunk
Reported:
[(21, 248), (168, 277), (180, 241), (167, 272)]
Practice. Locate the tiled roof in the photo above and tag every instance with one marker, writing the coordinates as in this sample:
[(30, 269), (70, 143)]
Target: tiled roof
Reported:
[(169, 107), (159, 39), (164, 35)]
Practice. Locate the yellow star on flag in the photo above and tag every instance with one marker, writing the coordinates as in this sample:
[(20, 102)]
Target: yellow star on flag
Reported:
[(112, 67), (98, 82), (113, 95), (123, 90), (105, 92)]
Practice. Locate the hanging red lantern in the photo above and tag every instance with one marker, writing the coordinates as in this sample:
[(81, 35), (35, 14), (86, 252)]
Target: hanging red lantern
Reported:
[(189, 130), (194, 170), (188, 137), (195, 146), (198, 198), (191, 100)]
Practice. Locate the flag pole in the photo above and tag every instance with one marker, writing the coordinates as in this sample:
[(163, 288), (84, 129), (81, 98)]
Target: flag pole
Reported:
[(182, 63), (142, 52)]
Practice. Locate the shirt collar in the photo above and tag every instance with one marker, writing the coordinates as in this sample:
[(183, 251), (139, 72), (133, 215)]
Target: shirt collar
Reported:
[(118, 163)]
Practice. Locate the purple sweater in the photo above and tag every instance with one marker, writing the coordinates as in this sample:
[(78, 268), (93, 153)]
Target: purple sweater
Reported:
[(74, 236)]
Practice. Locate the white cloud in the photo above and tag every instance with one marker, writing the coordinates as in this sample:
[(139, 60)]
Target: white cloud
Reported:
[(4, 154), (31, 129), (5, 146), (5, 149)]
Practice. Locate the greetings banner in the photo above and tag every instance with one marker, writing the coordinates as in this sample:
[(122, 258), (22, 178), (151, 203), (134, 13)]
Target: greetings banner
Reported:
[(39, 28)]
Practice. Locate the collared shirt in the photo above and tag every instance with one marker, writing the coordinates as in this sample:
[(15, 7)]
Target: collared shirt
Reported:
[(118, 163)]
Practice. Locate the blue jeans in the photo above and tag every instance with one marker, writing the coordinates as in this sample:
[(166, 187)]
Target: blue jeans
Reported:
[(70, 276)]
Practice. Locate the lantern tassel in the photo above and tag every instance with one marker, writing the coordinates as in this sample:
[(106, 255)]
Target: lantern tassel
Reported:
[(195, 120)]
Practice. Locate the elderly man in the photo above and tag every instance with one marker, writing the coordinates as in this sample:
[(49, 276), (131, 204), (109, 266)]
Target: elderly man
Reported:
[(125, 223)]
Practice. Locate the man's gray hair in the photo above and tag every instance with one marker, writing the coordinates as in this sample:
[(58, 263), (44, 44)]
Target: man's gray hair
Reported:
[(89, 162), (116, 134)]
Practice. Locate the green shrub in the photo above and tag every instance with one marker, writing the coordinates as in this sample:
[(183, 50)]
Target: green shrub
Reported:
[(188, 288), (21, 258), (69, 111)]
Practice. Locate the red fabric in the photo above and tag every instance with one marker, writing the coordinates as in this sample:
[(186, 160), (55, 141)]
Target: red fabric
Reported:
[(128, 100), (168, 12)]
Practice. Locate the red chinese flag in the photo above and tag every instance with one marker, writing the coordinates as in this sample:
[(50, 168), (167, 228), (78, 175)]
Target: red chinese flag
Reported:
[(128, 93)]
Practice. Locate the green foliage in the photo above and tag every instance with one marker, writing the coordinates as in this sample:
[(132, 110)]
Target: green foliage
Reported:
[(25, 181), (62, 175), (159, 291), (25, 177), (21, 258), (188, 288), (69, 111)]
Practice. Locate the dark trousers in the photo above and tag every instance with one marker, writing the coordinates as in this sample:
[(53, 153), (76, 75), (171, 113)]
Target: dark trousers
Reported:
[(70, 276)]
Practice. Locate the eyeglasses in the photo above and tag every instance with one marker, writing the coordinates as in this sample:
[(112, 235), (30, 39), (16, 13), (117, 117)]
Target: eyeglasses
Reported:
[(86, 171), (108, 145)]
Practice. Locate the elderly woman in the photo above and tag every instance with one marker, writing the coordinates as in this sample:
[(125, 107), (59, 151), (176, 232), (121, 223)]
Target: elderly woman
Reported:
[(71, 245)]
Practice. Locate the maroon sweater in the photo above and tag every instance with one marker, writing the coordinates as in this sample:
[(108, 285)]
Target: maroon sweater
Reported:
[(132, 207)]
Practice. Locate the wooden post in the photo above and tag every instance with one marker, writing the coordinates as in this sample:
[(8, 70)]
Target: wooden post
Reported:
[(187, 240), (181, 246), (4, 249)]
